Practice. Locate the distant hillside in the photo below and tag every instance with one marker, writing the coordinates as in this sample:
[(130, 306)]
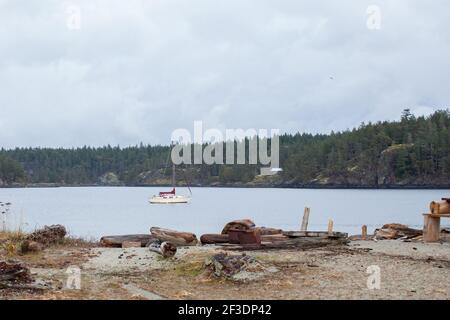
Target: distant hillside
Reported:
[(414, 151)]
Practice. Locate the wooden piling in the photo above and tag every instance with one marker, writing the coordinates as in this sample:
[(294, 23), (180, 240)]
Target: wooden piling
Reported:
[(305, 220), (364, 232), (431, 228), (330, 227)]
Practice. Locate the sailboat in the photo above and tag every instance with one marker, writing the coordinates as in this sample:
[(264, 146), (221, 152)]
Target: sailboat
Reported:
[(170, 197)]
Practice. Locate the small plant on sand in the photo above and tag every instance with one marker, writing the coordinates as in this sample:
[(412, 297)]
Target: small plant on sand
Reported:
[(10, 236), (71, 241), (190, 269), (10, 242), (10, 248)]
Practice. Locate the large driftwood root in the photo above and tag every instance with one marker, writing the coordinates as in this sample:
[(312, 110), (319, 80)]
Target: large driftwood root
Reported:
[(396, 231), (228, 265), (48, 235), (166, 249)]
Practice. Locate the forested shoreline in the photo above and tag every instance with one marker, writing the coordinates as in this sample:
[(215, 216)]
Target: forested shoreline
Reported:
[(411, 152)]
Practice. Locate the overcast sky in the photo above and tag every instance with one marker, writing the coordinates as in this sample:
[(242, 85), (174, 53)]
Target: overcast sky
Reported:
[(134, 70)]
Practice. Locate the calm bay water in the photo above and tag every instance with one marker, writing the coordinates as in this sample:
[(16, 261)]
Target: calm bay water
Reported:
[(96, 211)]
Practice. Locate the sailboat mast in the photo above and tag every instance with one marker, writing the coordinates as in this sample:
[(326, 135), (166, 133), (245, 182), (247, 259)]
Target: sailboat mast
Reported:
[(173, 168), (173, 175)]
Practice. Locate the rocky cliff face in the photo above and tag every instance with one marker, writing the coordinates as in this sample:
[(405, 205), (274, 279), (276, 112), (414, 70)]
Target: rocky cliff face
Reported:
[(110, 179), (155, 177), (386, 165), (164, 177)]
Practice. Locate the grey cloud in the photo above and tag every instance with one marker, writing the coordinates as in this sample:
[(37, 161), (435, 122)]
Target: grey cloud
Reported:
[(137, 70)]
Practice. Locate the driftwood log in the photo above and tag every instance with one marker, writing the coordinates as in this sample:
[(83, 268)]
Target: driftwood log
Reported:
[(314, 234), (131, 244), (263, 231), (274, 238), (302, 243), (166, 249), (175, 237), (224, 238), (117, 241), (245, 224), (214, 238), (302, 240)]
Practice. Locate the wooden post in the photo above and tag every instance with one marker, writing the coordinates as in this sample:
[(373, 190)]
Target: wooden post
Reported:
[(305, 220), (431, 228), (330, 227), (364, 232)]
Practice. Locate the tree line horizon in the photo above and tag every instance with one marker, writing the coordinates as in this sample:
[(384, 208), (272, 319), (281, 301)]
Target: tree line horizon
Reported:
[(413, 150)]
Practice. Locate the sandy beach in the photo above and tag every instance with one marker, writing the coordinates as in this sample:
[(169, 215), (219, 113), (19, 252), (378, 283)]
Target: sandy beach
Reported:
[(408, 270)]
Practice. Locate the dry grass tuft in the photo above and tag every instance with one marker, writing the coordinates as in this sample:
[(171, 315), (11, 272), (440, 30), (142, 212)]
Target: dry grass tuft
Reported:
[(10, 242), (74, 242)]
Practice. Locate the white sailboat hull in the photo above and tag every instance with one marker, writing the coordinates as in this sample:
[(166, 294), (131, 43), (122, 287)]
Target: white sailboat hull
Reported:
[(169, 199)]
